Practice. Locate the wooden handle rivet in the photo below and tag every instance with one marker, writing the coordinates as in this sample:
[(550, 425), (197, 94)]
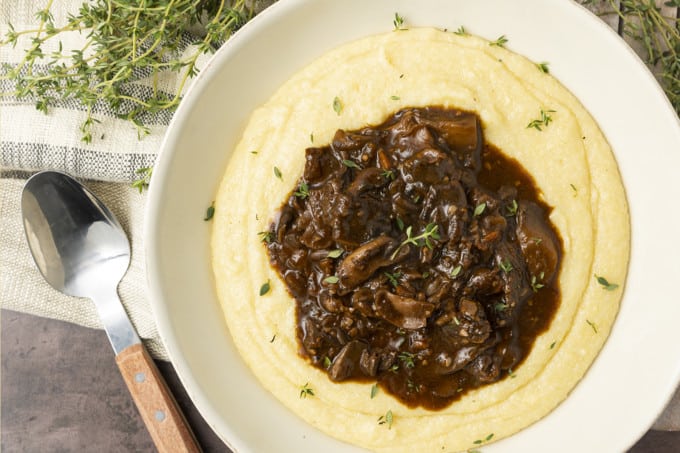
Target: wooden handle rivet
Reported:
[(140, 377), (160, 416)]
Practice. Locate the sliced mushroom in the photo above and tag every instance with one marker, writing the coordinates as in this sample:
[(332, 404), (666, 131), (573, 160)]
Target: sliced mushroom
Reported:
[(403, 312), (537, 241), (369, 362), (486, 367), (484, 282), (358, 266), (463, 133), (448, 362), (368, 179), (346, 363)]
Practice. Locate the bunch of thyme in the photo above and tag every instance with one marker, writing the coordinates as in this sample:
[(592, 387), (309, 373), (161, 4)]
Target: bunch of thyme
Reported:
[(658, 34), (125, 41)]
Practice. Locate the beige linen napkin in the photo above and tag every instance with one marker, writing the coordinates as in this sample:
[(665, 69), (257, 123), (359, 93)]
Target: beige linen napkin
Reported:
[(31, 141)]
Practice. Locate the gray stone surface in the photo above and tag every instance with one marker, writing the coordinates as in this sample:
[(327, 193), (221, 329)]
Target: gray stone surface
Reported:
[(62, 392)]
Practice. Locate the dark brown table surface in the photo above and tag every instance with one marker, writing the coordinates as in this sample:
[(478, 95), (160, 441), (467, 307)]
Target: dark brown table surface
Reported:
[(61, 392)]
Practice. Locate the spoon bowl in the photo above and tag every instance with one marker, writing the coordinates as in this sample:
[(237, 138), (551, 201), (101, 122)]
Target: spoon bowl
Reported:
[(76, 242)]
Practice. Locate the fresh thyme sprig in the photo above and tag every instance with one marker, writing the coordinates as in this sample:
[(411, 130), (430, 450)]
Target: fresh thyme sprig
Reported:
[(430, 232), (125, 42), (658, 34)]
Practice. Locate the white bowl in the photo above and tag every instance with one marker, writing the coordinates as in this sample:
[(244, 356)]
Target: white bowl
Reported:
[(639, 367)]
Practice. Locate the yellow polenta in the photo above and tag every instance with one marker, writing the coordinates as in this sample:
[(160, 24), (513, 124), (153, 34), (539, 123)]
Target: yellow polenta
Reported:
[(371, 79)]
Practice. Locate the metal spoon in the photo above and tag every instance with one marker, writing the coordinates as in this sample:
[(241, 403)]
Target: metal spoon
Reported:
[(82, 251)]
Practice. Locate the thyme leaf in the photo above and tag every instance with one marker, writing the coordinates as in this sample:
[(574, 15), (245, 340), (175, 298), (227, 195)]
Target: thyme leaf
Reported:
[(500, 42), (143, 182), (536, 283), (350, 164), (335, 253), (592, 325), (303, 191), (266, 236), (337, 105), (505, 265), (393, 278), (332, 279), (386, 419), (266, 286), (605, 283), (210, 212), (543, 121), (407, 359), (388, 174), (543, 67), (461, 31), (306, 390), (398, 22), (430, 232)]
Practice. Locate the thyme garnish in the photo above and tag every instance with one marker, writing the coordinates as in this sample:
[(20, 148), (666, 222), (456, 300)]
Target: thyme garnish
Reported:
[(337, 105), (393, 278), (500, 42), (264, 289), (544, 120), (592, 325), (505, 265), (386, 419), (388, 174), (210, 212), (398, 22), (331, 280), (407, 359), (303, 191), (266, 236), (335, 253), (143, 182), (306, 390), (535, 283), (605, 283), (461, 31), (430, 232)]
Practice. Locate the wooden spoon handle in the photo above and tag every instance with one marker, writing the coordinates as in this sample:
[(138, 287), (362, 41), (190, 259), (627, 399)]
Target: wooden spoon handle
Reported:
[(165, 422)]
